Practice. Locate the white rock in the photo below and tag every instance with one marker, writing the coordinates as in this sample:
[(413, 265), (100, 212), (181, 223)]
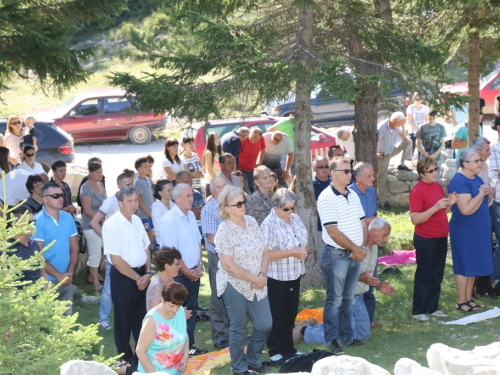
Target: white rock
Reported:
[(451, 163), (466, 363), (391, 178), (407, 366), (450, 172), (397, 187), (406, 175), (90, 300), (76, 290), (491, 351), (346, 365), (447, 154), (399, 200), (85, 368), (436, 354)]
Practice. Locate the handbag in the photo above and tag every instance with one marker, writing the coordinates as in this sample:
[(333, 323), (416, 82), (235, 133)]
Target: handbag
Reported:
[(82, 242)]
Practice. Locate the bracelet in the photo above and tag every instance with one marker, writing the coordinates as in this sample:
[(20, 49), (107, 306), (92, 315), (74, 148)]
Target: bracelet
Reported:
[(263, 274)]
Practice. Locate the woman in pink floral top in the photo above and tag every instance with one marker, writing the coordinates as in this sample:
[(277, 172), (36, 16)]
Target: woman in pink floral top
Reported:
[(241, 280)]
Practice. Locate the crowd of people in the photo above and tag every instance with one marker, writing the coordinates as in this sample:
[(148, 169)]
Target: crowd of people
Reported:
[(153, 236)]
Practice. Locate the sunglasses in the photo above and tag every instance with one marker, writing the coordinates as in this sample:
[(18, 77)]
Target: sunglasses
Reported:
[(29, 155), (54, 196), (288, 209), (431, 170), (16, 123), (346, 171), (322, 167), (237, 205)]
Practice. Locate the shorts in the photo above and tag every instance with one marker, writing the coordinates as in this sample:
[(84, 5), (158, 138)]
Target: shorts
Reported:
[(148, 224)]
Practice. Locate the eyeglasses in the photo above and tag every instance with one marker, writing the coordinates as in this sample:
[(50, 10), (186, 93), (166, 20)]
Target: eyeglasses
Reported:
[(322, 167), (15, 123), (473, 161), (176, 264), (288, 209), (346, 171), (417, 99), (431, 170), (29, 155), (237, 205), (54, 196)]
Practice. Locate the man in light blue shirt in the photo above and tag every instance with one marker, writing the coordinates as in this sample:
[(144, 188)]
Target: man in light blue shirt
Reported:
[(391, 141)]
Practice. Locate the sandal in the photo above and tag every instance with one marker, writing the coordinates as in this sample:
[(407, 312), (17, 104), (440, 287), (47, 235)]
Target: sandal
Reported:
[(475, 307), (459, 307)]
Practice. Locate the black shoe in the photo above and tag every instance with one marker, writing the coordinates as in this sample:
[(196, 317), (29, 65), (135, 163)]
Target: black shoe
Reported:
[(221, 344), (404, 168), (201, 308), (385, 206), (356, 342), (261, 370), (335, 348), (194, 351)]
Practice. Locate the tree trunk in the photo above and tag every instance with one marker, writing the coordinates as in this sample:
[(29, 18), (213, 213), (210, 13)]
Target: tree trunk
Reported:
[(474, 56), (306, 205)]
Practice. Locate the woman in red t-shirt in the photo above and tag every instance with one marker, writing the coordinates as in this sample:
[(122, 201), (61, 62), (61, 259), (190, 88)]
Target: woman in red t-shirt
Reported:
[(428, 207)]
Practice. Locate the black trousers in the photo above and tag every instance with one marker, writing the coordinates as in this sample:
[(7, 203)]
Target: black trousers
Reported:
[(284, 303), (129, 310), (431, 259), (193, 288)]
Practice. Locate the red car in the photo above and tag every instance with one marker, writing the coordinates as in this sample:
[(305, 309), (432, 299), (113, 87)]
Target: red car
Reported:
[(104, 114), (320, 141), (488, 90)]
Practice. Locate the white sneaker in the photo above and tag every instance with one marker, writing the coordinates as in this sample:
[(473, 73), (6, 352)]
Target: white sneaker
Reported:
[(421, 317), (439, 314), (276, 357)]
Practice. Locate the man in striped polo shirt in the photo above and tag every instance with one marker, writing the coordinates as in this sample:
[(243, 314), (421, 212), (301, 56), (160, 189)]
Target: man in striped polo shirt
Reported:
[(345, 234)]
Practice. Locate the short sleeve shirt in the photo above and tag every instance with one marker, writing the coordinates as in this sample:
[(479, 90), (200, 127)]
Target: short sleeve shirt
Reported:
[(193, 165), (231, 142), (49, 229), (158, 210), (259, 206), (144, 188), (368, 199), (431, 136), (387, 137), (285, 146), (249, 153), (37, 168), (246, 247), (417, 114), (234, 181), (24, 253), (345, 211), (109, 207), (462, 133), (176, 167), (126, 239), (287, 126), (210, 221), (96, 201), (369, 263)]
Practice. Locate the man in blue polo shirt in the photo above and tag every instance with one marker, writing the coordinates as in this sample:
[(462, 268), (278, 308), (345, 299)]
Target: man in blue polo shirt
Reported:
[(52, 223), (363, 187)]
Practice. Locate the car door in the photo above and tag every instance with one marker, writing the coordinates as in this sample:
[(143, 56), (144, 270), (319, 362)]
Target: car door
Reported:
[(327, 109), (489, 92), (320, 142), (117, 118), (83, 121)]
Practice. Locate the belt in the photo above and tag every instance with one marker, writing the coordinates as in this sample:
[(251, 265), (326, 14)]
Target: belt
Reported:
[(336, 248), (138, 269)]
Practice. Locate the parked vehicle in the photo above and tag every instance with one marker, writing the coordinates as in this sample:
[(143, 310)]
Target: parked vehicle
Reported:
[(320, 141), (488, 90), (102, 115), (53, 143), (329, 111)]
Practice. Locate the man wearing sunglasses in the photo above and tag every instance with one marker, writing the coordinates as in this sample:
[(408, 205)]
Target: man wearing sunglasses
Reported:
[(345, 236), (52, 223)]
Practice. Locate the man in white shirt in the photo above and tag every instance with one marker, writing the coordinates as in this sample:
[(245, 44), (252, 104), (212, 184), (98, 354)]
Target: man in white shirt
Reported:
[(227, 164), (278, 144), (15, 182), (345, 138), (179, 229), (108, 208), (126, 245)]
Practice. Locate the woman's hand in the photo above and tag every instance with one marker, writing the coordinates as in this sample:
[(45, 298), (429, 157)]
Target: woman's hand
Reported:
[(442, 203), (300, 253), (188, 313), (260, 282), (485, 189), (453, 198)]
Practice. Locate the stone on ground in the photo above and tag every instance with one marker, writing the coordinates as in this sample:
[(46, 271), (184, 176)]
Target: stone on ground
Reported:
[(346, 365), (85, 368)]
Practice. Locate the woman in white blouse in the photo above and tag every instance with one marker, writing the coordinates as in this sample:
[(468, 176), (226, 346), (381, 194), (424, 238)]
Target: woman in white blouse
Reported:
[(13, 139), (163, 204), (287, 241), (241, 280), (172, 163), (29, 164)]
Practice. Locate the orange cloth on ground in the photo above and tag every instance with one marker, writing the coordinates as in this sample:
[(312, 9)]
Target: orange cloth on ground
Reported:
[(307, 314), (204, 363)]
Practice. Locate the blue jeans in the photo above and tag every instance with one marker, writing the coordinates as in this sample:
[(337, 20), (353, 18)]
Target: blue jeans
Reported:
[(106, 302), (249, 184), (361, 321), (238, 307), (495, 217), (341, 275)]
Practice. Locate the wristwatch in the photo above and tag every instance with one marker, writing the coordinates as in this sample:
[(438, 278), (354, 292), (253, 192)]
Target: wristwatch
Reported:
[(149, 273), (263, 273)]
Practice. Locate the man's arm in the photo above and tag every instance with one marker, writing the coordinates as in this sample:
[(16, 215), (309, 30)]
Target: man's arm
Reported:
[(438, 151), (49, 269), (143, 207), (123, 267), (261, 157), (95, 223), (403, 132), (341, 239), (74, 249), (144, 280), (211, 238), (418, 143), (457, 143), (365, 232)]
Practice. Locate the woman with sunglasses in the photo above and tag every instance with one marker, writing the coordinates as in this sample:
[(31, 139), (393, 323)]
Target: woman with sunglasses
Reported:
[(287, 241), (259, 203), (470, 228), (14, 138), (172, 163), (29, 164), (241, 280), (428, 207), (164, 203)]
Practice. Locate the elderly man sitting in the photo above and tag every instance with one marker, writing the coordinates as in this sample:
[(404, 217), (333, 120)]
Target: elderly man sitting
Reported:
[(378, 235)]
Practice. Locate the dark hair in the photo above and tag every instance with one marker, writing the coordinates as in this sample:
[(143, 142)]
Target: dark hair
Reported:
[(181, 173), (175, 293), (49, 185), (237, 173), (4, 159), (338, 160), (31, 181), (187, 139), (150, 158), (214, 150), (93, 159), (166, 255), (224, 156), (331, 148), (125, 191), (18, 212), (129, 172), (433, 113), (139, 162), (122, 176), (159, 187), (171, 142), (424, 163), (57, 164), (28, 147), (94, 166)]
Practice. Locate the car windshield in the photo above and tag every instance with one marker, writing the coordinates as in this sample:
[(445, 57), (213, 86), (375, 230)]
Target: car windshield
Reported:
[(66, 106), (487, 79)]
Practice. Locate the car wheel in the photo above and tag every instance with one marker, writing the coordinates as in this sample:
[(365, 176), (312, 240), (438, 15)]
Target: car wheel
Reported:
[(140, 135)]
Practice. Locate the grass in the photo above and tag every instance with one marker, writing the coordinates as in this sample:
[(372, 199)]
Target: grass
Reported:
[(404, 337)]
